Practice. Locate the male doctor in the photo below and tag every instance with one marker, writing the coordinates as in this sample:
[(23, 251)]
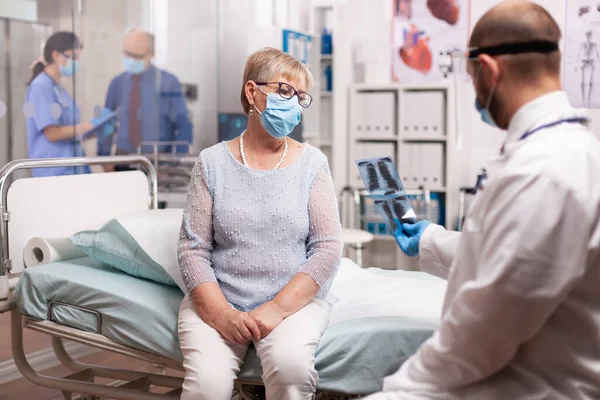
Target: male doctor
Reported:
[(521, 317)]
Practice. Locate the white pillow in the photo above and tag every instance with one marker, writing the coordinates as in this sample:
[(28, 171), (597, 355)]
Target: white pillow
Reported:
[(157, 233)]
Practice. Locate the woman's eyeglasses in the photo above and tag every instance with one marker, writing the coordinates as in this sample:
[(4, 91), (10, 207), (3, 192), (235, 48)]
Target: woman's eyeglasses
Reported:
[(287, 91)]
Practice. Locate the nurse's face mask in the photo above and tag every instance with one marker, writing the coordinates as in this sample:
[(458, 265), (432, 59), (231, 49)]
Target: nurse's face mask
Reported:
[(485, 95), (70, 65)]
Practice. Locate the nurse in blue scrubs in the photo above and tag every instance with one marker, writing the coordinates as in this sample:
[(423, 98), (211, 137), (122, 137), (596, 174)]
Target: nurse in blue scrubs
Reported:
[(53, 124)]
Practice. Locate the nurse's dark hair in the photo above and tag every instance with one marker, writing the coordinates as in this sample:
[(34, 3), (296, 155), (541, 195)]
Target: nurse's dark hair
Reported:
[(60, 41), (520, 21)]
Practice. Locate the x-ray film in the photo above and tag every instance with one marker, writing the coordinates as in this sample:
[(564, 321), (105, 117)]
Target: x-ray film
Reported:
[(386, 190)]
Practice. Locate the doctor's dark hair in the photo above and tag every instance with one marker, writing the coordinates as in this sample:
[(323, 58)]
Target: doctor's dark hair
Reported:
[(60, 41), (519, 22)]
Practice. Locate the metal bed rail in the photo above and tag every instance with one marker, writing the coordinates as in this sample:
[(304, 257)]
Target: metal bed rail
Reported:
[(174, 169), (6, 175), (132, 385), (156, 145)]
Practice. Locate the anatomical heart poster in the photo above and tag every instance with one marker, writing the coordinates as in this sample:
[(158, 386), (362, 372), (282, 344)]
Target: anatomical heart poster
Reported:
[(582, 53), (423, 33)]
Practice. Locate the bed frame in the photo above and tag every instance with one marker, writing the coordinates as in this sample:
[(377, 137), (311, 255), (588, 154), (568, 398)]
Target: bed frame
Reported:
[(92, 198)]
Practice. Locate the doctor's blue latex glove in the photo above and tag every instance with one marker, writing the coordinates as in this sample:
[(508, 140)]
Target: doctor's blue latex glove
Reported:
[(108, 128), (408, 236)]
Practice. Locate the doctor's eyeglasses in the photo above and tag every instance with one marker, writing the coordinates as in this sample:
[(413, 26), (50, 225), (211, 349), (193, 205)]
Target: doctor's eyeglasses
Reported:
[(287, 91)]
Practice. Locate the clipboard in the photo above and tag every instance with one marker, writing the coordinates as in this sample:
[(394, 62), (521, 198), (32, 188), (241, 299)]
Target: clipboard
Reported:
[(104, 120)]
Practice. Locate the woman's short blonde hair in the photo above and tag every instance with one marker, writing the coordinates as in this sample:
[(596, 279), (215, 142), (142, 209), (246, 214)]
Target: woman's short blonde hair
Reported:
[(269, 63)]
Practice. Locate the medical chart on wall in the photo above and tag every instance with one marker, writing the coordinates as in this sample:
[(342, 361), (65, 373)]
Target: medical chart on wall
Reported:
[(581, 67), (423, 32)]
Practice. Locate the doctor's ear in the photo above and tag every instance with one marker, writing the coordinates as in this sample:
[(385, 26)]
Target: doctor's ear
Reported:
[(491, 71)]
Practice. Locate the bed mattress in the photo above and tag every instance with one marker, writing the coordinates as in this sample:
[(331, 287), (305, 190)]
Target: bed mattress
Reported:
[(377, 316)]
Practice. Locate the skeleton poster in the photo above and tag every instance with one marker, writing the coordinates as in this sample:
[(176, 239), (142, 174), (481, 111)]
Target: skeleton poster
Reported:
[(581, 67), (423, 32)]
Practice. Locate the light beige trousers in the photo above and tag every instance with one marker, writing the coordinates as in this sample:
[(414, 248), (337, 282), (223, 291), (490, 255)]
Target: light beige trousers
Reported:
[(287, 355)]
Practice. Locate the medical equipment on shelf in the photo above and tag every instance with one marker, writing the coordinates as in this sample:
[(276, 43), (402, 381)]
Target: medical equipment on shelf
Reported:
[(421, 201), (481, 177), (355, 238)]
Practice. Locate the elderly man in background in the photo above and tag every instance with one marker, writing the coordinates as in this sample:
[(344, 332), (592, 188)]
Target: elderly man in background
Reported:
[(150, 101)]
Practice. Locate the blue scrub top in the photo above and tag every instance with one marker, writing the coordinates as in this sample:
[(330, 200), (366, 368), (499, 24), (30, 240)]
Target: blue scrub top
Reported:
[(52, 105)]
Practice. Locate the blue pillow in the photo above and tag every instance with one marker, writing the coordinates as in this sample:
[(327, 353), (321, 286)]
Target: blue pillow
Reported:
[(115, 247)]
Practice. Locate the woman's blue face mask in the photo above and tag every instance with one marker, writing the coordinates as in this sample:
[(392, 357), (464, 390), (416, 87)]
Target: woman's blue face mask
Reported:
[(280, 116)]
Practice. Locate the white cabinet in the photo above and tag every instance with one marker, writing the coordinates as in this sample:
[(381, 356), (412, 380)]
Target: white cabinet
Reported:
[(423, 114), (421, 142), (375, 115)]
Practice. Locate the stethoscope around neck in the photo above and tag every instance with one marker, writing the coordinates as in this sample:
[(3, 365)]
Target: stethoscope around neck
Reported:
[(483, 175), (574, 120), (58, 92)]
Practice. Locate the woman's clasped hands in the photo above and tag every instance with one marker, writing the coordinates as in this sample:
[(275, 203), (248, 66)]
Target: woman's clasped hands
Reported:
[(241, 327)]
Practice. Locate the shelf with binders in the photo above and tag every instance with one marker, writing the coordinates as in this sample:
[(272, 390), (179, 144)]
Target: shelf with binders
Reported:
[(419, 140), (424, 139), (423, 164), (375, 139), (375, 133)]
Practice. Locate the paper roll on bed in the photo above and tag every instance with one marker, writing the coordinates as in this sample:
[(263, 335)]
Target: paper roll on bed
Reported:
[(40, 251)]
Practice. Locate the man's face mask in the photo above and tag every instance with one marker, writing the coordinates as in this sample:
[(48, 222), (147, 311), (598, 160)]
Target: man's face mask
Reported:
[(133, 65), (483, 105), (484, 108)]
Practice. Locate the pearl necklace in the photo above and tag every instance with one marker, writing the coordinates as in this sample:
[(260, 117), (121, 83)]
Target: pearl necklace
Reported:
[(285, 150)]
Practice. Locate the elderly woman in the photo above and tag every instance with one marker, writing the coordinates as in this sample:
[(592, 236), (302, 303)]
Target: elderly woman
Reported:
[(260, 244)]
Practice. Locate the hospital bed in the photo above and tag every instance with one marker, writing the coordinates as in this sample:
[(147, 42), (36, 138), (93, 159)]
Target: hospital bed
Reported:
[(377, 318)]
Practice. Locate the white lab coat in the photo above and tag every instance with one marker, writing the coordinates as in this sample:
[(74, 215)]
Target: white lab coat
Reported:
[(521, 317)]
